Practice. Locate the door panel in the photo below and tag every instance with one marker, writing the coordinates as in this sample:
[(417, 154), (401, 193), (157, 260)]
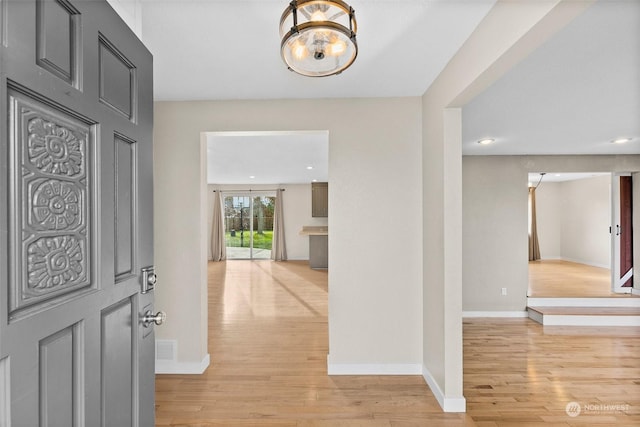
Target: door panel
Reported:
[(117, 79), (59, 366), (52, 174), (117, 364), (125, 201), (57, 27), (76, 217)]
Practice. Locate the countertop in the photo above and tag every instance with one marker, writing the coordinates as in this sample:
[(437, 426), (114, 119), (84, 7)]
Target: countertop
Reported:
[(314, 230)]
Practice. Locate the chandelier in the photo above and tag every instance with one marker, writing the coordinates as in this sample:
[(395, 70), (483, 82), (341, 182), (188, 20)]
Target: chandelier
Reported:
[(318, 37)]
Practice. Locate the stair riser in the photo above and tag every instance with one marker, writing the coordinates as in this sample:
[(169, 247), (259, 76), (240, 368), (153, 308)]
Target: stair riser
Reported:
[(583, 302), (581, 320)]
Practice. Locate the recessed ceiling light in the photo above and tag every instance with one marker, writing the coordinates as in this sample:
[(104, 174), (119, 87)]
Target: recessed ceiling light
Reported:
[(309, 167), (486, 141), (621, 140), (314, 180), (251, 177)]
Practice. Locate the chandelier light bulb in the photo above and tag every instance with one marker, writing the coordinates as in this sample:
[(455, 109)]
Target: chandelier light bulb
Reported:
[(318, 15), (300, 51), (338, 48)]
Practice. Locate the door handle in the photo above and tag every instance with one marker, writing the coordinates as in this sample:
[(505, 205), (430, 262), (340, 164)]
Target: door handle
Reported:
[(150, 318)]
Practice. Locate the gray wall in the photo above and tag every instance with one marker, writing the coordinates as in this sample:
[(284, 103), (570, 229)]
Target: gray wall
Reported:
[(494, 234), (494, 205)]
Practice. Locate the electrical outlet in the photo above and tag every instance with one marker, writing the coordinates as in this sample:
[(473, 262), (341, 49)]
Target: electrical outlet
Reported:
[(504, 291)]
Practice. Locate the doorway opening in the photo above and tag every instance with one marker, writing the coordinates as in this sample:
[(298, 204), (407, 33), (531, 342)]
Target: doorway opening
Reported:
[(248, 220), (583, 223)]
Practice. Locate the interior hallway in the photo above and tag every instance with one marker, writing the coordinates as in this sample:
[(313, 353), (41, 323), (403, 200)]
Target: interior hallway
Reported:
[(268, 344)]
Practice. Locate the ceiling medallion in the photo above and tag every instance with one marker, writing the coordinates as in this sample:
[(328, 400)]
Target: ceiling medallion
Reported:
[(318, 37)]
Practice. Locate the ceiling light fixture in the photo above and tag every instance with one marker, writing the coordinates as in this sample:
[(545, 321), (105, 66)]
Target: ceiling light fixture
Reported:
[(486, 141), (318, 37), (621, 140), (309, 167)]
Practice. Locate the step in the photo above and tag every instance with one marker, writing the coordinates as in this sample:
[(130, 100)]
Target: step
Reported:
[(585, 316), (618, 301)]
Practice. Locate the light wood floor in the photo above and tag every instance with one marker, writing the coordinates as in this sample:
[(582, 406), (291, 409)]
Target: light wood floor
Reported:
[(559, 279), (268, 345)]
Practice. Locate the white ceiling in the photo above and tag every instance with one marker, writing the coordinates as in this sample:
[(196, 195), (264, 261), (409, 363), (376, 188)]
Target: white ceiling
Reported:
[(230, 49), (571, 96), (563, 176), (267, 157)]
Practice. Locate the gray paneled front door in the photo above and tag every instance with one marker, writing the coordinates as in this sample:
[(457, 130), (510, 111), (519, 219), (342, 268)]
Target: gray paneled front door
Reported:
[(76, 217)]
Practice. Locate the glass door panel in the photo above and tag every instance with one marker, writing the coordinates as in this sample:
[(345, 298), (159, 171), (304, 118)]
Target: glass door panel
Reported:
[(237, 220), (262, 231)]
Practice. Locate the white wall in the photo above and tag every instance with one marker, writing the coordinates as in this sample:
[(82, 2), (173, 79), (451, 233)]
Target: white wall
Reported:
[(495, 222), (586, 217), (131, 13), (375, 293), (573, 220), (296, 213)]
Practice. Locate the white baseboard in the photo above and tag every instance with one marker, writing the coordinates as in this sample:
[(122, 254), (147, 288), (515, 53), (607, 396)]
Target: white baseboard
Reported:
[(174, 367), (494, 314), (373, 368), (448, 404)]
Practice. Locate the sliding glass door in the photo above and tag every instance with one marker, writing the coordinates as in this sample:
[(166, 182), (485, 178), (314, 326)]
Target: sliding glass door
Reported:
[(248, 226)]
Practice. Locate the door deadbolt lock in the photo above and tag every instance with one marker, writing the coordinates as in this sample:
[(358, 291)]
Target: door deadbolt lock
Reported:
[(149, 279), (150, 318)]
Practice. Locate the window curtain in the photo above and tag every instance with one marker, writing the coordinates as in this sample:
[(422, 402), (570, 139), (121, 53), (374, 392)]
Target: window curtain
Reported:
[(534, 246), (278, 249), (218, 247)]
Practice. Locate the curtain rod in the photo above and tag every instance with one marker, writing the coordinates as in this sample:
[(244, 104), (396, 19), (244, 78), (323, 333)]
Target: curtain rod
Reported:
[(249, 190)]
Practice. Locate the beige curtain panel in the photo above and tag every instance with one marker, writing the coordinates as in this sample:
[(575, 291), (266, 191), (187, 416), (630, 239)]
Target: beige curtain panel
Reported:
[(534, 245), (278, 249), (218, 247)]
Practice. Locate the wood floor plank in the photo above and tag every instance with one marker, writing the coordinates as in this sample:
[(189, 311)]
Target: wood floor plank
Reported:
[(268, 344)]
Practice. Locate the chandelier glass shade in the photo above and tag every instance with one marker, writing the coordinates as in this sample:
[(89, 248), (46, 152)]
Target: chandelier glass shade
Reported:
[(318, 37)]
